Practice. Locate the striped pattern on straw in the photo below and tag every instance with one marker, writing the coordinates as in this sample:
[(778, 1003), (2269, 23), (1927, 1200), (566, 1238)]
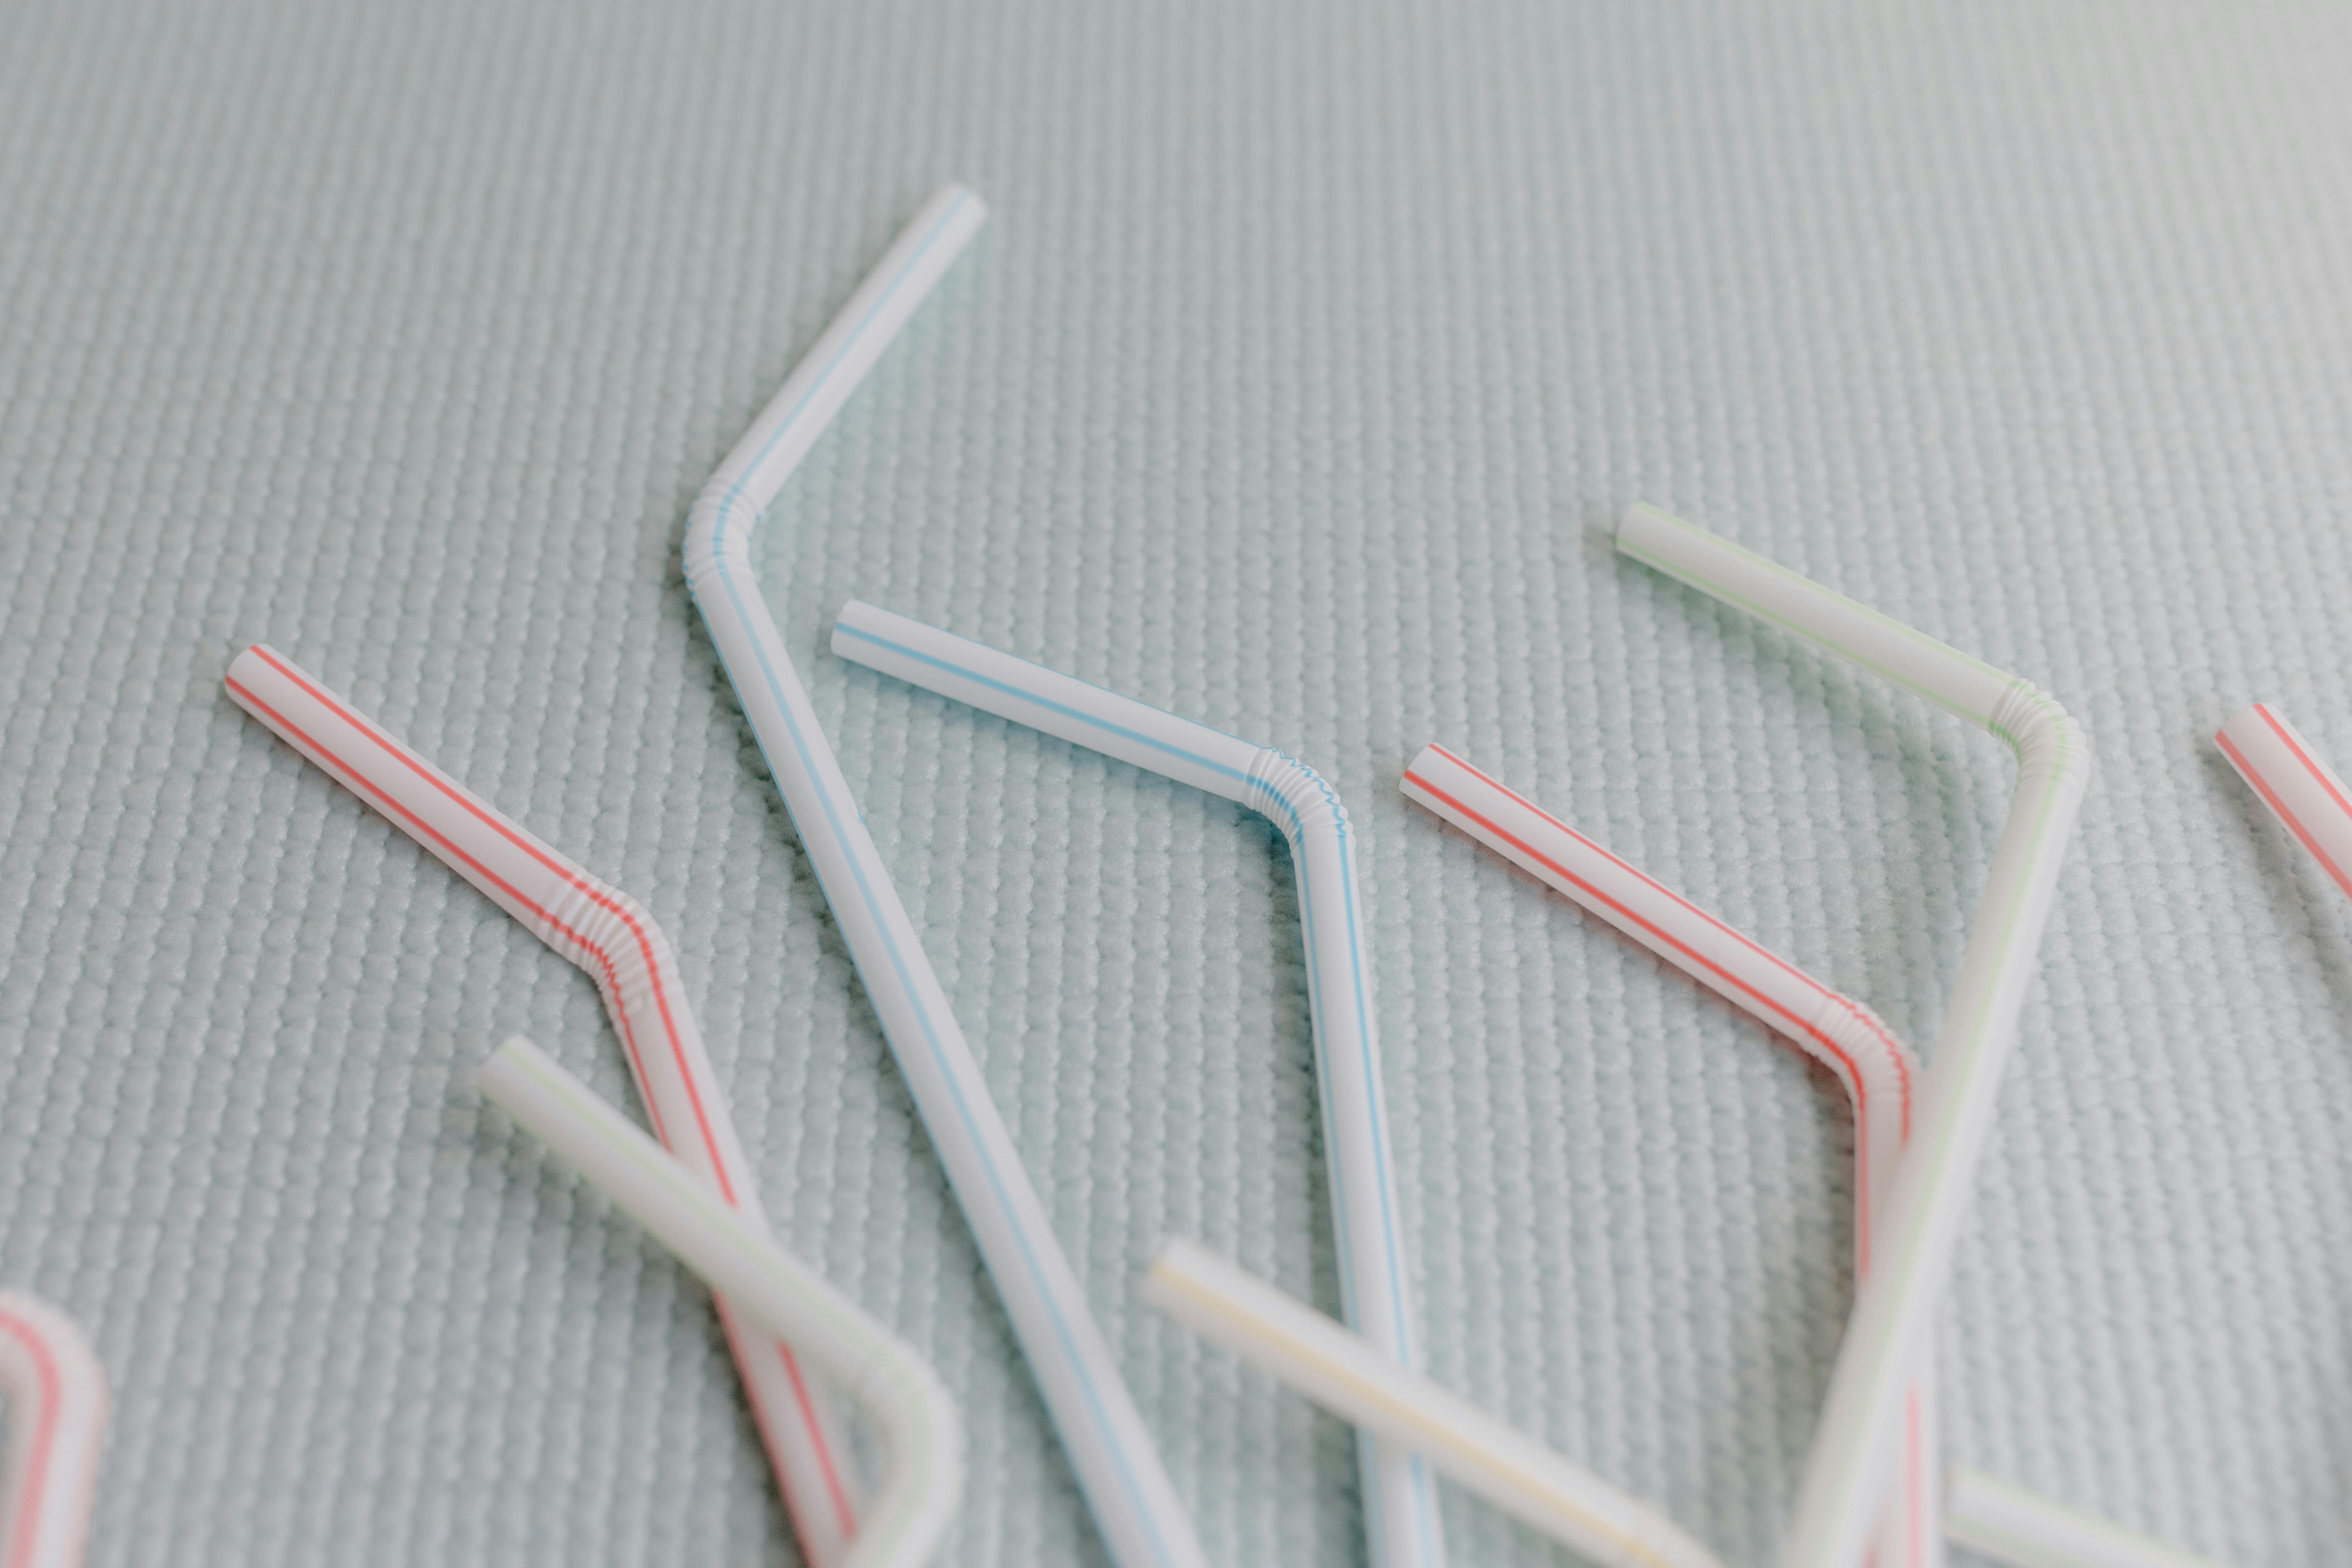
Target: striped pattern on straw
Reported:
[(1876, 1069), (2302, 791), (922, 1441), (610, 935), (1134, 1504), (57, 1408)]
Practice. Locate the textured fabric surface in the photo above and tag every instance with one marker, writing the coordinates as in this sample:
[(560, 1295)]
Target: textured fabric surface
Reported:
[(1293, 386)]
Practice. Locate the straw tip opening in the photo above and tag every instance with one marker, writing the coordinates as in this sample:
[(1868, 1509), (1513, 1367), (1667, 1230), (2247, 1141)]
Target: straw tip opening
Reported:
[(1641, 514), (1170, 1256), (513, 1054)]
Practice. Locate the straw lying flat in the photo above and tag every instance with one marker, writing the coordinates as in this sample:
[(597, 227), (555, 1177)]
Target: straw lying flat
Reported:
[(57, 1407), (922, 1439), (611, 936), (1852, 1453), (1400, 1501), (1876, 1069)]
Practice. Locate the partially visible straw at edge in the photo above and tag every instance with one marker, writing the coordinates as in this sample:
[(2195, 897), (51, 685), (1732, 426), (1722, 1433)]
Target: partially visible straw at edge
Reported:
[(1338, 1371), (1400, 1498), (922, 1469), (57, 1408), (1854, 1451), (2300, 790), (1142, 1521)]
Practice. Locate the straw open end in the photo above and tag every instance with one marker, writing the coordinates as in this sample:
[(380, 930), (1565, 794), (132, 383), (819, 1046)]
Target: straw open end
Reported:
[(496, 1077), (1637, 518)]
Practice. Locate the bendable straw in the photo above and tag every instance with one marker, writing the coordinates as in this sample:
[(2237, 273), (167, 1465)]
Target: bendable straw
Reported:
[(2302, 791), (1120, 1472), (1889, 1334), (1401, 1498), (2003, 1519), (57, 1404), (1876, 1069), (921, 1438), (1356, 1381), (610, 935)]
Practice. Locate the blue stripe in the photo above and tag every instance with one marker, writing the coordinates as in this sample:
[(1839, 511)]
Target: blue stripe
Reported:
[(1418, 1467), (865, 891), (1138, 736)]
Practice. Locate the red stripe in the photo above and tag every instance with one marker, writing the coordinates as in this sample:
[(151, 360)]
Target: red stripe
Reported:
[(1855, 1087), (2279, 808), (1913, 1482), (1894, 1052), (2278, 728), (417, 825), (45, 1432), (508, 831), (833, 1490)]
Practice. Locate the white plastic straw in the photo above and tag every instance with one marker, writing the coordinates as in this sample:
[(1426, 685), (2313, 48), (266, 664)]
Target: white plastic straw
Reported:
[(1117, 1468), (610, 935), (2302, 791), (1888, 1335), (1875, 1069), (57, 1404), (921, 1439), (2004, 1521), (1358, 1382), (1401, 1498)]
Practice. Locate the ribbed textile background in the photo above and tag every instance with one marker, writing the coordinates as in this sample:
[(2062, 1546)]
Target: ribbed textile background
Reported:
[(1293, 385)]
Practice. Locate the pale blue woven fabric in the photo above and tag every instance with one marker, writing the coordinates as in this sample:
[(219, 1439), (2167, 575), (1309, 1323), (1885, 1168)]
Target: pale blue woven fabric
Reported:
[(1292, 387)]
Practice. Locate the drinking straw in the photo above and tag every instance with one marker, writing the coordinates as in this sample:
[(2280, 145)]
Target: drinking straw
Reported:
[(2302, 791), (610, 935), (2003, 1519), (1875, 1069), (1358, 1382), (1117, 1468), (1400, 1498), (921, 1438), (1889, 1334), (57, 1402)]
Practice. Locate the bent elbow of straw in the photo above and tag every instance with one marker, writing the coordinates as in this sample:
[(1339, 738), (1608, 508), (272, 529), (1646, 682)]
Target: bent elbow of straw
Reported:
[(1919, 1226), (2046, 740), (57, 1404), (921, 1433), (717, 533)]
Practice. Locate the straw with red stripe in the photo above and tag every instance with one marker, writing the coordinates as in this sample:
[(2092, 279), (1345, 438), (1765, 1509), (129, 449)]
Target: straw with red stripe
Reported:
[(2301, 792), (609, 934), (56, 1399), (1876, 1069)]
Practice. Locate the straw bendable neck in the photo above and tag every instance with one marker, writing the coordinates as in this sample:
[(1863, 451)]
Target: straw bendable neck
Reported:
[(1142, 1521), (1853, 1448), (1400, 1501), (57, 1401), (923, 1476)]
